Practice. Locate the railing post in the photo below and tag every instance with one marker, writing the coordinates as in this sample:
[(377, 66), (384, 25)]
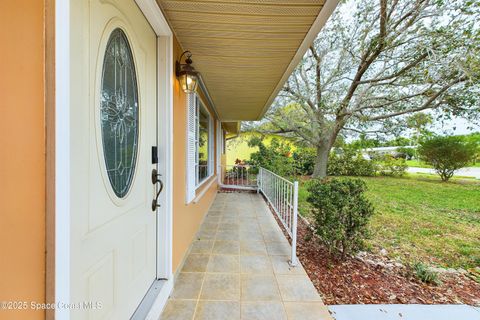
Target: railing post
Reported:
[(259, 180), (219, 175), (294, 260)]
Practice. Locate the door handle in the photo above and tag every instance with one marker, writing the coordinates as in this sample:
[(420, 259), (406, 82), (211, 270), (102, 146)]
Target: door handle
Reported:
[(156, 179)]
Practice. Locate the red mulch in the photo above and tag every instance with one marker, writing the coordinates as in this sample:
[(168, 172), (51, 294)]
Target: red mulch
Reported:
[(353, 281)]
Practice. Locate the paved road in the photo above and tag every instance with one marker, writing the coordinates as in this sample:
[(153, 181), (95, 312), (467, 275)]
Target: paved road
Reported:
[(465, 172), (404, 312)]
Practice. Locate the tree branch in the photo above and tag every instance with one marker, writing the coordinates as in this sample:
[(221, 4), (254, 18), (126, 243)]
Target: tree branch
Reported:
[(368, 57), (398, 73), (426, 105)]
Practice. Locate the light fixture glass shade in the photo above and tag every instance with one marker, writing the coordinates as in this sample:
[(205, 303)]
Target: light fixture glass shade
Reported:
[(188, 82), (186, 74)]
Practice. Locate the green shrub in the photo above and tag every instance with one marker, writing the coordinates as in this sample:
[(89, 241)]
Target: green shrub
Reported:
[(424, 274), (350, 163), (275, 157), (304, 161), (408, 153), (393, 167), (341, 213), (447, 154)]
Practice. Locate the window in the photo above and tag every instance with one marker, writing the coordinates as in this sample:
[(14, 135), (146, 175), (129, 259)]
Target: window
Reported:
[(203, 143), (200, 145), (119, 113), (224, 142)]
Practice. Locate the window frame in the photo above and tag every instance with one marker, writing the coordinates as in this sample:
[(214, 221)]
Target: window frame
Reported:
[(211, 145)]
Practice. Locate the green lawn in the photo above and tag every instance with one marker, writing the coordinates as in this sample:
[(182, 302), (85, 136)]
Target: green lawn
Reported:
[(421, 164), (418, 164), (423, 219)]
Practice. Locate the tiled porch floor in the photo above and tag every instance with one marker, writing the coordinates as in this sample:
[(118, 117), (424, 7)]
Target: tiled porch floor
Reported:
[(238, 268)]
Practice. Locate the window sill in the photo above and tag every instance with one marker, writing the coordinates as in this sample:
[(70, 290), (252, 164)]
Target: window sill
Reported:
[(198, 186), (203, 188)]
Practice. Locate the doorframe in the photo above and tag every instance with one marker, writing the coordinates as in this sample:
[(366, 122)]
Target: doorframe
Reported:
[(61, 212), (159, 24), (58, 285)]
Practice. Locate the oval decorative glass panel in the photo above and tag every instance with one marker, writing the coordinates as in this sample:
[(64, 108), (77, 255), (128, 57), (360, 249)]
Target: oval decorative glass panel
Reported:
[(119, 112)]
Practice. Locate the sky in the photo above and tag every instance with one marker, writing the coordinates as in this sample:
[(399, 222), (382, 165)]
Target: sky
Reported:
[(457, 126)]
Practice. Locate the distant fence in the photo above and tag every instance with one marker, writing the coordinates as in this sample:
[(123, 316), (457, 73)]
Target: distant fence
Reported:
[(239, 177)]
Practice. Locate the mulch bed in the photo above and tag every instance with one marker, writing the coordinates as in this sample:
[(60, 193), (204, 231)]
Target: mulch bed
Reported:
[(354, 281)]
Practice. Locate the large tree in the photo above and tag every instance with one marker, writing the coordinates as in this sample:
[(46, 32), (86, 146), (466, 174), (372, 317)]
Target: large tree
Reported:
[(374, 63)]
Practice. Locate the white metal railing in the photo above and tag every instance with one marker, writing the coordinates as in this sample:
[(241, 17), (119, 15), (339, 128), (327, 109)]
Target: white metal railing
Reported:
[(282, 195), (239, 177)]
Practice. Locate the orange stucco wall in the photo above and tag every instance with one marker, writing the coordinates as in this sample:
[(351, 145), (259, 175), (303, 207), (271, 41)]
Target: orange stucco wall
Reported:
[(186, 218), (22, 155), (22, 160)]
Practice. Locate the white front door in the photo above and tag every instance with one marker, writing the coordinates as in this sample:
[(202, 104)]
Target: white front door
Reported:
[(113, 225)]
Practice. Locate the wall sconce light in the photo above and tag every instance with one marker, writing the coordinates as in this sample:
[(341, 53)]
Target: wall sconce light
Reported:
[(186, 74)]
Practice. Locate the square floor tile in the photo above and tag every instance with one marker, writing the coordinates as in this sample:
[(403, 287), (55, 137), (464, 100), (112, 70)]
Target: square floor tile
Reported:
[(274, 236), (307, 311), (278, 248), (247, 212), (224, 263), (229, 219), (253, 247), (196, 263), (264, 310), (297, 288), (228, 226), (262, 209), (281, 265), (270, 224), (230, 213), (209, 226), (179, 310), (251, 226), (206, 234), (227, 235), (267, 223), (255, 264), (245, 221), (212, 219), (218, 286), (187, 285), (214, 213), (259, 288), (226, 247), (217, 310), (251, 235), (202, 246)]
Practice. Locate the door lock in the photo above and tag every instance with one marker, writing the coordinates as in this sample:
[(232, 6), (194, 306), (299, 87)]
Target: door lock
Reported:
[(156, 179)]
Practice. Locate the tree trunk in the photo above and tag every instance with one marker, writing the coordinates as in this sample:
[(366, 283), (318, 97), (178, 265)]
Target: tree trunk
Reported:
[(320, 169)]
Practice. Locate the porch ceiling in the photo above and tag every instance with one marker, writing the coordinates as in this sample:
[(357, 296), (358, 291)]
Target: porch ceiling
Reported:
[(231, 127), (245, 50)]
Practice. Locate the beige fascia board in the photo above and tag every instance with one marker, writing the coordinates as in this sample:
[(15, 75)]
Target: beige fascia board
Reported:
[(317, 25)]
